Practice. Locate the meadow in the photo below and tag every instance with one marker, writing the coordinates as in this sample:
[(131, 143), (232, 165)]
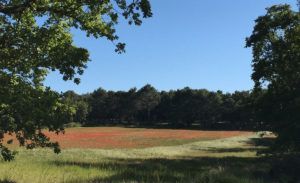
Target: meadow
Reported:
[(113, 154)]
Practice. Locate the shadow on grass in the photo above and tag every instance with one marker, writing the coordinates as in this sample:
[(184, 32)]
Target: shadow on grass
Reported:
[(7, 181), (195, 169), (265, 142), (200, 169), (231, 150)]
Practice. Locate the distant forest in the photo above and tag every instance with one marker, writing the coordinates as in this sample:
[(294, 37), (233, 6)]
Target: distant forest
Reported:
[(183, 108)]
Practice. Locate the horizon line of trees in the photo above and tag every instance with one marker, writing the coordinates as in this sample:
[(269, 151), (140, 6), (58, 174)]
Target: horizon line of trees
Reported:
[(181, 108)]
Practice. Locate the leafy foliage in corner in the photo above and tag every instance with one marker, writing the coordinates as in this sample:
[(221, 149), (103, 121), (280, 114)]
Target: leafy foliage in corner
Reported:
[(275, 43), (35, 39)]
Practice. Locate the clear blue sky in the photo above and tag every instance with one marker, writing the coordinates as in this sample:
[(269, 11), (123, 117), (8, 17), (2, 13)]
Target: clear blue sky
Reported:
[(195, 43)]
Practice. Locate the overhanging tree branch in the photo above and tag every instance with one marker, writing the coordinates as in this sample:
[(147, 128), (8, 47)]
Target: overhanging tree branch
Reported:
[(14, 9)]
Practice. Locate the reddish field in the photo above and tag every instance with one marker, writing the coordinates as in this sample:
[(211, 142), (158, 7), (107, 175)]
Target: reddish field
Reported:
[(115, 137)]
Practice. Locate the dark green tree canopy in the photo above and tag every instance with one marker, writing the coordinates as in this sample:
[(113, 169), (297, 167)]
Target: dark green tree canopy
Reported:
[(35, 39), (275, 43), (182, 108)]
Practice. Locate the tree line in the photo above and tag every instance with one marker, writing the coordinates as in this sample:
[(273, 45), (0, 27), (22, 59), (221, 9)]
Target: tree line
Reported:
[(182, 108)]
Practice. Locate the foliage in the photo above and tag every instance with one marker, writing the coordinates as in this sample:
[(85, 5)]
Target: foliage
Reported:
[(147, 98), (79, 104), (275, 43), (180, 108), (35, 39)]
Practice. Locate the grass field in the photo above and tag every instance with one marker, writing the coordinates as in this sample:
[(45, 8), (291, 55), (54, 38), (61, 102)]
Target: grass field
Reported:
[(142, 155)]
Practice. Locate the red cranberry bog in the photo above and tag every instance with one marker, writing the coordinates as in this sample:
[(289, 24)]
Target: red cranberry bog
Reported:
[(116, 137)]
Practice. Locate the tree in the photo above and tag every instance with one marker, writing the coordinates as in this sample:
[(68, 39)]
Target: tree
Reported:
[(35, 39), (146, 99), (187, 106), (163, 111), (80, 106), (275, 43), (99, 108), (127, 107)]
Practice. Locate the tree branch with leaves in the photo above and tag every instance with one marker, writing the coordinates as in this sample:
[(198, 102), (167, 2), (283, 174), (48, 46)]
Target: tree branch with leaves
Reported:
[(35, 39)]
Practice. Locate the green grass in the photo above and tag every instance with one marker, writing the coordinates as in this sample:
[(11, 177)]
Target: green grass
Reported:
[(223, 160)]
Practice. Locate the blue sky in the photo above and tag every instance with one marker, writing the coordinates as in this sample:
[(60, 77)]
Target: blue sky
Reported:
[(195, 43)]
